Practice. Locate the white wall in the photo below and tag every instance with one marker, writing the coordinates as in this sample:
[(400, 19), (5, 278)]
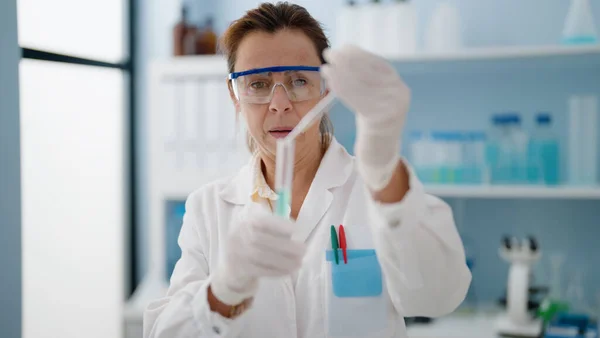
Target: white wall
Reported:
[(72, 160)]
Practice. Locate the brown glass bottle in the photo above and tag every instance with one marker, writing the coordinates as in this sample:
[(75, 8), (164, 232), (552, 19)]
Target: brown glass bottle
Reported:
[(206, 43), (179, 33)]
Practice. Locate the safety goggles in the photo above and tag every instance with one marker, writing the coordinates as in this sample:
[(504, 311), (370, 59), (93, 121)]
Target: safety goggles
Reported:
[(258, 85)]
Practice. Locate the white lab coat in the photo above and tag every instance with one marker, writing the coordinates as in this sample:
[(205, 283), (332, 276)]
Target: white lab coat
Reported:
[(418, 247)]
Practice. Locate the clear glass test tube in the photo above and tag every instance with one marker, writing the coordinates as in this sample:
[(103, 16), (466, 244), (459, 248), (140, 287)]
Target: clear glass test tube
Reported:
[(284, 171)]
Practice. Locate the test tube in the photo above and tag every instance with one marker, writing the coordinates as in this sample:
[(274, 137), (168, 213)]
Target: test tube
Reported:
[(284, 171)]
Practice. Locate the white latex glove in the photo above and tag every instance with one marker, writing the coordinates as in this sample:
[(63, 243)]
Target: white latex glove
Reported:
[(370, 86), (259, 246)]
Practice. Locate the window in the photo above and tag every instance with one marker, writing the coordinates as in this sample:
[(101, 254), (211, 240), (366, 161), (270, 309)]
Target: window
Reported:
[(86, 29), (77, 95)]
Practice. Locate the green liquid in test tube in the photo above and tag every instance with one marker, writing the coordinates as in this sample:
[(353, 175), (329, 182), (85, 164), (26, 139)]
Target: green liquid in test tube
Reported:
[(284, 202)]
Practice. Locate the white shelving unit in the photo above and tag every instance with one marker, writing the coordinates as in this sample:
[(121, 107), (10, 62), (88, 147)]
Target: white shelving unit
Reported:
[(502, 53), (514, 192), (500, 59)]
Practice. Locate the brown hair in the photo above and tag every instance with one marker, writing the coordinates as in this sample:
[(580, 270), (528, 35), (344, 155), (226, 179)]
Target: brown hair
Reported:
[(271, 18)]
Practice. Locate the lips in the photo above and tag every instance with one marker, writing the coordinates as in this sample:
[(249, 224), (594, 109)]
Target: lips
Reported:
[(280, 132)]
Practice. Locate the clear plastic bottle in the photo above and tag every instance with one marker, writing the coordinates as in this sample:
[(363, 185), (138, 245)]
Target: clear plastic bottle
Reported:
[(454, 143), (544, 162), (473, 157), (580, 27), (418, 154), (440, 154), (447, 156), (583, 118), (497, 150), (517, 145)]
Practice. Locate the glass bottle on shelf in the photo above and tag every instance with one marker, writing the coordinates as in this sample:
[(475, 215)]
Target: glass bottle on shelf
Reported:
[(543, 153), (497, 150), (189, 42), (206, 41), (518, 143), (180, 31), (580, 27)]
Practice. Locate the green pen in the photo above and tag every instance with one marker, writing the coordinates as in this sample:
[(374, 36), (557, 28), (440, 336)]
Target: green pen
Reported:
[(335, 244)]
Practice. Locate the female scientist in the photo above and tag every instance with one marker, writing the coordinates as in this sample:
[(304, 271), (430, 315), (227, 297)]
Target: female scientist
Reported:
[(245, 272)]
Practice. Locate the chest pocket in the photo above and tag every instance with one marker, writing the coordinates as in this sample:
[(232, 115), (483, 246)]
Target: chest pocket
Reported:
[(356, 301)]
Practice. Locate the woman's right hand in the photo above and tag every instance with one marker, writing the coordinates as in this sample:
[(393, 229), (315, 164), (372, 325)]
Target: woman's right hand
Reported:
[(259, 246)]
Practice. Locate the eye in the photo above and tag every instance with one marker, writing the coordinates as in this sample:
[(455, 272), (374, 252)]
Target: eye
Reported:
[(299, 82), (258, 85)]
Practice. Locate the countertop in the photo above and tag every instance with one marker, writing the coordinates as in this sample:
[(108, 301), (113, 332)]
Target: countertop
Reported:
[(464, 325)]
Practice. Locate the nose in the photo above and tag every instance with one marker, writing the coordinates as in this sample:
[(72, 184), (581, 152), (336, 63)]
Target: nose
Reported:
[(280, 102)]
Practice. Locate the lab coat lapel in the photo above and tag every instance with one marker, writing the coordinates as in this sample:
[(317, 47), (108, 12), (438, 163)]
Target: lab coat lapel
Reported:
[(335, 168), (238, 191)]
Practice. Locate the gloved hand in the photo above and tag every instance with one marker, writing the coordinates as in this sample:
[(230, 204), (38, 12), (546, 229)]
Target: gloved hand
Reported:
[(259, 246), (371, 87)]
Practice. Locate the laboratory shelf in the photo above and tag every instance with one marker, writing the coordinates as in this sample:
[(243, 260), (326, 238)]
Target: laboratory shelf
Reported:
[(492, 59), (491, 191)]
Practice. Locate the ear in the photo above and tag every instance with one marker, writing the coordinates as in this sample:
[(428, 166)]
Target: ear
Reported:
[(236, 103)]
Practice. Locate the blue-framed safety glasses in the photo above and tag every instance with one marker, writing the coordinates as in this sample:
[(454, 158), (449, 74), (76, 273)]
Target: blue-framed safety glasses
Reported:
[(258, 85)]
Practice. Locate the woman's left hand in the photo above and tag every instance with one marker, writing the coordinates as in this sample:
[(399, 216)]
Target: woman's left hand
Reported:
[(370, 86)]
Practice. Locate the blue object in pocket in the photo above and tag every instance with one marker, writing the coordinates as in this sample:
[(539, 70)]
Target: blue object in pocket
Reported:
[(361, 277)]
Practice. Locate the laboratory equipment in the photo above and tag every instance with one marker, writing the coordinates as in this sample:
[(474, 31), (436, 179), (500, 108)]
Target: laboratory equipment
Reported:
[(418, 154), (518, 144), (498, 150), (180, 31), (438, 170), (556, 263), (522, 255), (543, 152), (312, 116), (444, 32), (284, 175), (399, 33), (554, 302), (567, 325), (447, 156), (284, 165), (206, 40), (507, 151), (474, 168), (579, 25), (583, 140), (575, 295)]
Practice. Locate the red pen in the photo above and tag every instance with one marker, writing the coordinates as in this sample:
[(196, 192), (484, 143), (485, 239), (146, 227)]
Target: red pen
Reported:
[(343, 243)]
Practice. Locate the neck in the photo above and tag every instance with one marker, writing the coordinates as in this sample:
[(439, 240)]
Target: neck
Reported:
[(306, 164)]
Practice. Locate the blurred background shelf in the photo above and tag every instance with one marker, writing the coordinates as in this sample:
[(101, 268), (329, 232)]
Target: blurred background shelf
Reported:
[(499, 53), (494, 59), (489, 191)]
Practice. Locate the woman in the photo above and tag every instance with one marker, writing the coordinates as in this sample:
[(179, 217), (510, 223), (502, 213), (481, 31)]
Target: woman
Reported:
[(245, 272)]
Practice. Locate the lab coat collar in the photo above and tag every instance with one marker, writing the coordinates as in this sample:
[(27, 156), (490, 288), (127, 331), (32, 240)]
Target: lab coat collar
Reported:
[(334, 171)]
